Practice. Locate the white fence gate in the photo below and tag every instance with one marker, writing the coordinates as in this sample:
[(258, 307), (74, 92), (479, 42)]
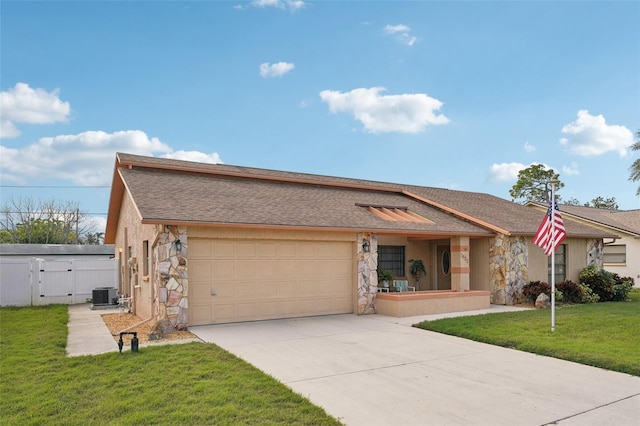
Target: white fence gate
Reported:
[(35, 282)]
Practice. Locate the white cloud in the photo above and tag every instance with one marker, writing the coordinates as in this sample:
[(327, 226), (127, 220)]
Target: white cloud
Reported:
[(279, 69), (401, 33), (528, 147), (280, 4), (196, 156), (22, 104), (85, 159), (408, 113), (571, 169), (590, 135), (505, 172)]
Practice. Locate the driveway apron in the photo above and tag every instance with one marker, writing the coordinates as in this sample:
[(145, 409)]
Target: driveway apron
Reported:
[(376, 370)]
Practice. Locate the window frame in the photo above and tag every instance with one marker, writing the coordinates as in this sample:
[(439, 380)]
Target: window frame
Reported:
[(397, 263), (622, 253), (560, 259)]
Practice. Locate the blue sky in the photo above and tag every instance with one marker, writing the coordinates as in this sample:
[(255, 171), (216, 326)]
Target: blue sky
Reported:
[(457, 95)]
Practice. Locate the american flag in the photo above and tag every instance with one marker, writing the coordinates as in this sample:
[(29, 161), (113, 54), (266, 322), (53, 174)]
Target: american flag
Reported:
[(551, 231)]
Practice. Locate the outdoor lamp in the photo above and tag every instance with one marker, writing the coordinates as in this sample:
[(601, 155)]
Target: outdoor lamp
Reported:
[(178, 244), (365, 245)]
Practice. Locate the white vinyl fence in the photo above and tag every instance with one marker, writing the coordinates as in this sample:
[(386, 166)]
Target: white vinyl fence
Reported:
[(34, 281)]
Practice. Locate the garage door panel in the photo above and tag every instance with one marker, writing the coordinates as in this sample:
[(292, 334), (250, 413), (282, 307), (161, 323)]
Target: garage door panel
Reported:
[(247, 311), (267, 290), (245, 249), (200, 249), (305, 250), (269, 279), (223, 269), (220, 249), (200, 270), (286, 269), (286, 289), (199, 292), (267, 269), (286, 250), (267, 250)]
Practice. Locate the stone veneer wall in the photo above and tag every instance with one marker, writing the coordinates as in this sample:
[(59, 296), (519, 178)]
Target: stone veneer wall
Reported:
[(498, 269), (517, 269), (508, 263), (367, 274), (171, 277), (595, 250)]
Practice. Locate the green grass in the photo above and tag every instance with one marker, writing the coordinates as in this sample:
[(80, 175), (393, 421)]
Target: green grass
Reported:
[(190, 384), (605, 335)]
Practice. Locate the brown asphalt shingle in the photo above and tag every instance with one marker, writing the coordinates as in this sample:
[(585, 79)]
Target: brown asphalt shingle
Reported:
[(167, 190)]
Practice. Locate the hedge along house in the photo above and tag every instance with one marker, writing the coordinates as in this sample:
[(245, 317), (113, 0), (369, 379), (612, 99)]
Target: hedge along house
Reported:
[(211, 243)]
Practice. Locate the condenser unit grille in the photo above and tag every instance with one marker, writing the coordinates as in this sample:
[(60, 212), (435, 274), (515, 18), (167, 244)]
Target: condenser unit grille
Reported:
[(105, 296)]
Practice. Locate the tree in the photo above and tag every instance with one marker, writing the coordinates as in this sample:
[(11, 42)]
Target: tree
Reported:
[(534, 184), (25, 221), (635, 166), (603, 203)]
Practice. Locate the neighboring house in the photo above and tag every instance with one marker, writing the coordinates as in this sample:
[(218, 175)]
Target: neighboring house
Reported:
[(621, 254), (213, 243), (41, 274)]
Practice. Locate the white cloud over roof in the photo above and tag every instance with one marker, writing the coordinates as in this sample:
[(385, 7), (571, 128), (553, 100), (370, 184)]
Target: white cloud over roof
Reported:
[(401, 33), (590, 135), (279, 69), (505, 172), (23, 104), (280, 4), (406, 113), (86, 158)]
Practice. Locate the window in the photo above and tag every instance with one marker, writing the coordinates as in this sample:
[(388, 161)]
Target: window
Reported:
[(391, 258), (145, 258), (616, 254), (560, 264)]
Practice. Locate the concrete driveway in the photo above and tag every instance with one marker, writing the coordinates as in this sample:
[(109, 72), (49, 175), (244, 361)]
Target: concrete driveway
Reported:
[(377, 370)]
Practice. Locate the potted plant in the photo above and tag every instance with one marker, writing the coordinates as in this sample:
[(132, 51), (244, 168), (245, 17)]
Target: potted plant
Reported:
[(385, 278), (417, 269)]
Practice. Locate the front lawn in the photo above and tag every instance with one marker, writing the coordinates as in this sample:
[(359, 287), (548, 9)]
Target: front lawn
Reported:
[(190, 384), (605, 335)]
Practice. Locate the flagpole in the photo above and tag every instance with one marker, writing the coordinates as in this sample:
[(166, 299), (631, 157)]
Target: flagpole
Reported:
[(553, 260)]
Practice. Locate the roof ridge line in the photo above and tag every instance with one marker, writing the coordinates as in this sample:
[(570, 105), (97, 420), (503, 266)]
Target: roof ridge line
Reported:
[(390, 187)]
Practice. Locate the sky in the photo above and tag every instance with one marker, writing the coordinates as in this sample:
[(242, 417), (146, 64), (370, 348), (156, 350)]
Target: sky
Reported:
[(458, 94)]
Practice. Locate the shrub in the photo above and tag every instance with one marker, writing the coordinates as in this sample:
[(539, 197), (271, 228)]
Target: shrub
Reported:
[(588, 296), (598, 280), (559, 297), (622, 287), (533, 289), (571, 292)]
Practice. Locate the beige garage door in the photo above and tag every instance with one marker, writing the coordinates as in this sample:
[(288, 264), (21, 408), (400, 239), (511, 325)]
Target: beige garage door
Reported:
[(240, 280)]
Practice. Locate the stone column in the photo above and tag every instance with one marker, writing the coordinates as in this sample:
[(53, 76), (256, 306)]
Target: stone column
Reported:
[(367, 274), (172, 281), (460, 263)]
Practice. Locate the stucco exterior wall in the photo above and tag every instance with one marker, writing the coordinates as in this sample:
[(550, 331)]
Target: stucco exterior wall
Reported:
[(479, 274), (632, 267), (131, 233), (413, 250)]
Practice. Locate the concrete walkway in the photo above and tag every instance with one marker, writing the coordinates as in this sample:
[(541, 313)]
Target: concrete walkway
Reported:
[(88, 334), (377, 370)]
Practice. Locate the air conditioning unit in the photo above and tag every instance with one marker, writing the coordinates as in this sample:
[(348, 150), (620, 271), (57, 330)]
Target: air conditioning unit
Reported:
[(105, 296)]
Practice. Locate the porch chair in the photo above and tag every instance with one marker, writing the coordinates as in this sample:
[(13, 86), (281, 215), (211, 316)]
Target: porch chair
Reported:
[(402, 285)]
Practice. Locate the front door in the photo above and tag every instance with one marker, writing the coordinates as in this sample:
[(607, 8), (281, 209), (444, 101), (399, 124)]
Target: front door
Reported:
[(443, 262)]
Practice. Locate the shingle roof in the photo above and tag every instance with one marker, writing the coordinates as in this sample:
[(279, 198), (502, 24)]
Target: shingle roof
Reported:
[(627, 221), (175, 191)]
